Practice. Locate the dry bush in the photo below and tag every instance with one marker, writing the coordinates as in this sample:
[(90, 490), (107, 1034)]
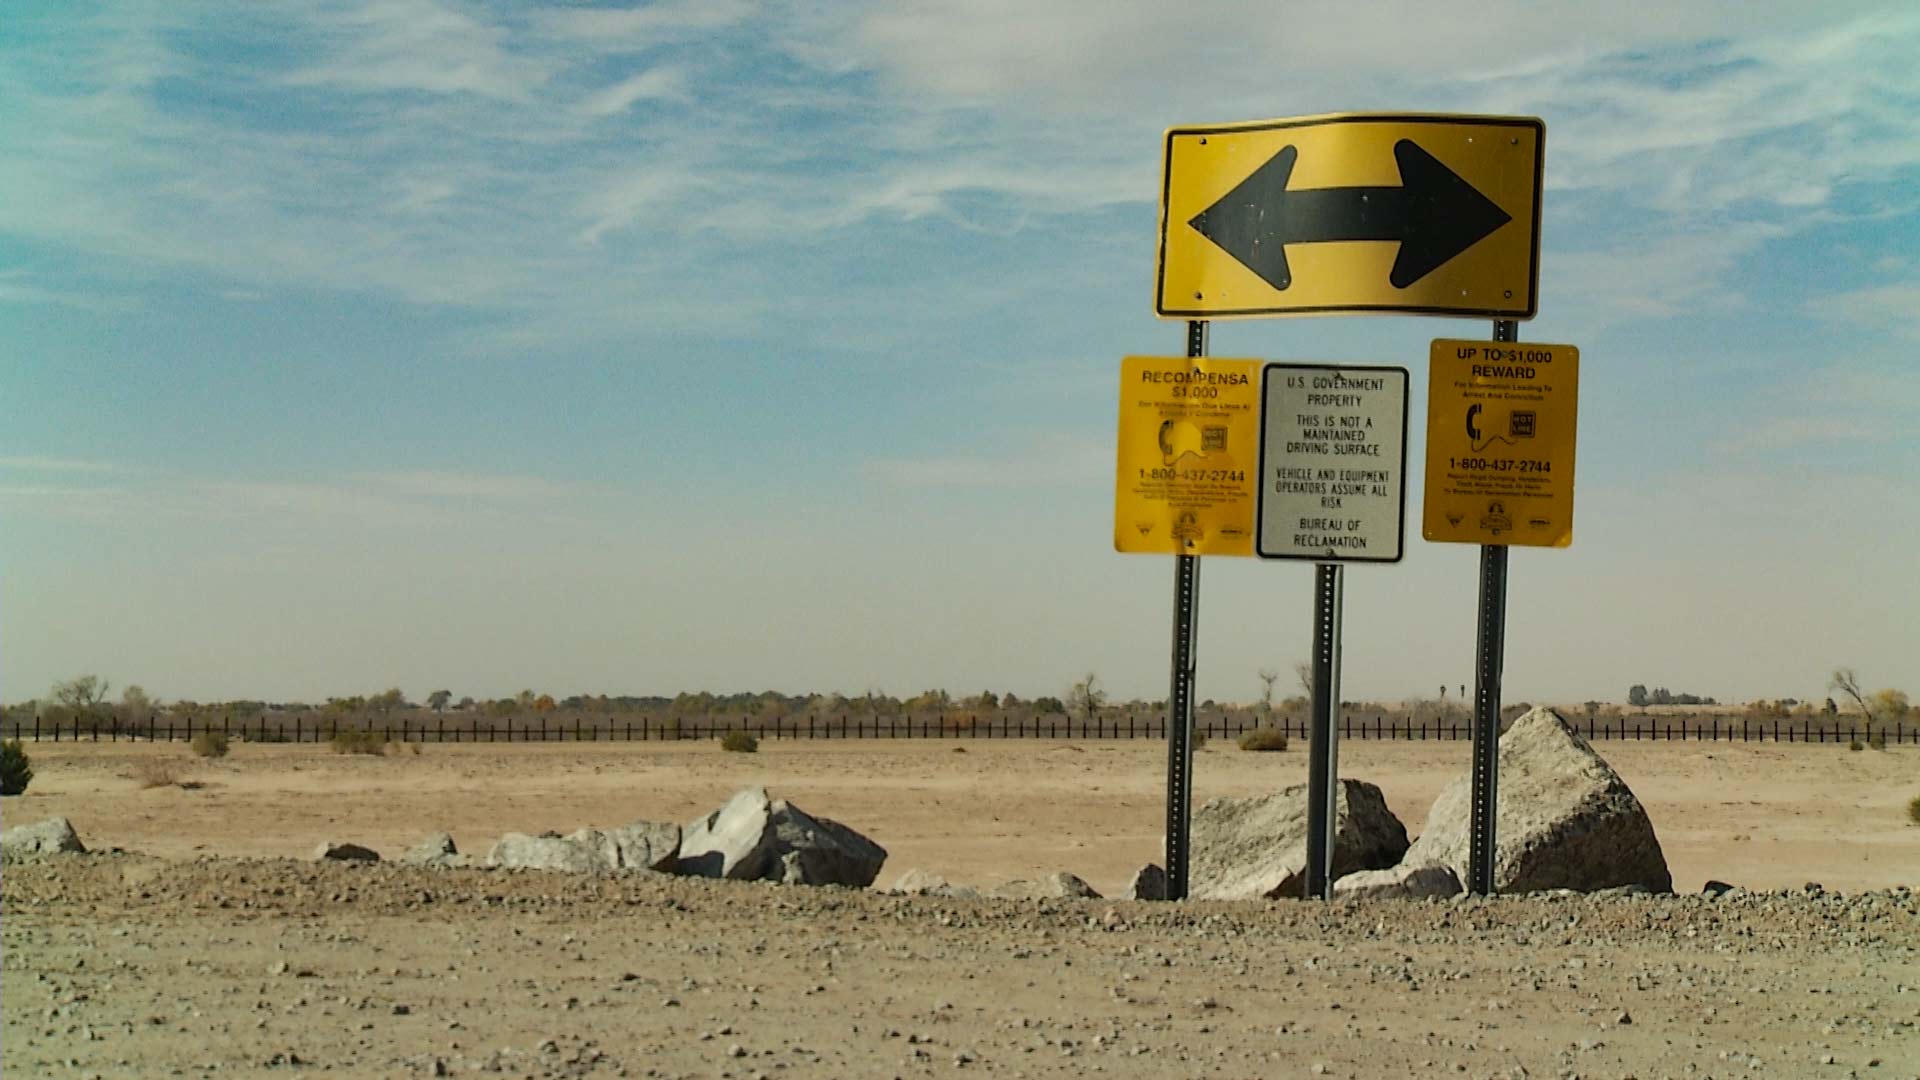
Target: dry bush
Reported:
[(739, 742), (156, 772), (359, 742), (1913, 810), (1264, 739), (210, 744)]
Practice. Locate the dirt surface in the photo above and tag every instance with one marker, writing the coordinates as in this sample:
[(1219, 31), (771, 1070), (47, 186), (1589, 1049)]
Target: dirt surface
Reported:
[(197, 963), (972, 810), (125, 966)]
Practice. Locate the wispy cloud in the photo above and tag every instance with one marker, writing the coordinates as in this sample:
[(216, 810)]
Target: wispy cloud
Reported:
[(656, 84), (1051, 462), (556, 168), (419, 45), (1896, 306), (643, 27), (15, 288), (64, 465), (382, 499), (1867, 404)]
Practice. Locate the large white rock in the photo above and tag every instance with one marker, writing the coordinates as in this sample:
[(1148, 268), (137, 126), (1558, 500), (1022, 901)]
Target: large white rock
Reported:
[(1403, 882), (53, 836), (732, 842), (755, 838), (1566, 820), (1256, 848)]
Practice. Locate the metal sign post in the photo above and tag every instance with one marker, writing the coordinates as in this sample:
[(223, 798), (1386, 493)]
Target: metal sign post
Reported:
[(1323, 766), (1333, 464), (1489, 657), (1186, 618)]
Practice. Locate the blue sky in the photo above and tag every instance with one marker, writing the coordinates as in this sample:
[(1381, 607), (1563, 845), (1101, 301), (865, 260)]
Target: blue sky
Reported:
[(726, 345)]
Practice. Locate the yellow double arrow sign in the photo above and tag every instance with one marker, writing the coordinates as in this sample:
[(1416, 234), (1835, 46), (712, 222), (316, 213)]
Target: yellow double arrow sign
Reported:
[(1423, 214)]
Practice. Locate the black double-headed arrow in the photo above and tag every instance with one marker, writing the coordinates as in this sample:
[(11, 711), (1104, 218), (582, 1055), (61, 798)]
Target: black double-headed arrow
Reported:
[(1434, 215)]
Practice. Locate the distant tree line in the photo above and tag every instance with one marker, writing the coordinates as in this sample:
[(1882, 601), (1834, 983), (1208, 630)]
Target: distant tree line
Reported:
[(1640, 697), (85, 702)]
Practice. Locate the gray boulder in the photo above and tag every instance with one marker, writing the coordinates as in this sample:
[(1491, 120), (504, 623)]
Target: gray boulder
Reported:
[(53, 836), (1149, 883), (1566, 820), (754, 838), (921, 883), (333, 851), (1058, 886), (643, 845), (1403, 882), (576, 854), (1256, 848)]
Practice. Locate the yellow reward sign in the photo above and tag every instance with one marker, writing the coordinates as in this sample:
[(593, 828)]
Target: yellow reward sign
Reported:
[(1354, 212), (1189, 458), (1500, 441)]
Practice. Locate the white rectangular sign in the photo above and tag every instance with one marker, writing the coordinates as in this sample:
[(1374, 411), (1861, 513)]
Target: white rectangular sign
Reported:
[(1333, 463)]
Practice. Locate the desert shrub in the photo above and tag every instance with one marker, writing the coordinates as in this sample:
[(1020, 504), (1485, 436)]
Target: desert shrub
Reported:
[(359, 742), (1877, 740), (210, 744), (1856, 745), (1264, 739), (1913, 810), (16, 770), (1199, 738), (739, 742), (156, 772)]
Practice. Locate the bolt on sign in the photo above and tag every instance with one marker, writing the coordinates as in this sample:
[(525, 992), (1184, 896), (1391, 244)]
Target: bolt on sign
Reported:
[(1500, 443), (1333, 463), (1189, 453), (1352, 212)]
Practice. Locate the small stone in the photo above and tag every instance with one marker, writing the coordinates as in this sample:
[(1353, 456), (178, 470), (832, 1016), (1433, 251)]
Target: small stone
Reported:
[(736, 1051)]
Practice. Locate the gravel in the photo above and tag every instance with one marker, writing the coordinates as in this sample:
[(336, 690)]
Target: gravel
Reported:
[(121, 965)]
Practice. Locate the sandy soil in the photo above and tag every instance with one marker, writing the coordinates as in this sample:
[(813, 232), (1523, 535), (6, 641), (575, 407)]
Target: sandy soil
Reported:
[(977, 811), (186, 960), (125, 966)]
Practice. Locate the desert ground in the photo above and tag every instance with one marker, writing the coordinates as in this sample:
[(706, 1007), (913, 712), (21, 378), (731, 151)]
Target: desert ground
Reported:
[(211, 946), (980, 811)]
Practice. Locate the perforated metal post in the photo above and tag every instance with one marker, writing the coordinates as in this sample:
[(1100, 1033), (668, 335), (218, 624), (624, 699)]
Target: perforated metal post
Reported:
[(1489, 658), (1186, 616), (1323, 748)]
